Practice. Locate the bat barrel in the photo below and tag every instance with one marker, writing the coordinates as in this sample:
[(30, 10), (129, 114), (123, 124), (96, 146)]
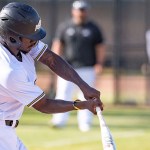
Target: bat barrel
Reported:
[(107, 139)]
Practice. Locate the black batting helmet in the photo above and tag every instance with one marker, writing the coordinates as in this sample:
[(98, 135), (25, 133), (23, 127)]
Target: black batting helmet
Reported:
[(20, 20)]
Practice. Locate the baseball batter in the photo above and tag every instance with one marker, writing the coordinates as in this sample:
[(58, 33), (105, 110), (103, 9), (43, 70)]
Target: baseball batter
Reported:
[(20, 47)]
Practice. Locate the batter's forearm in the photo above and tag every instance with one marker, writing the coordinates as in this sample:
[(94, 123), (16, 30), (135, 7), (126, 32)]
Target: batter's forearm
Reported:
[(57, 106), (62, 68)]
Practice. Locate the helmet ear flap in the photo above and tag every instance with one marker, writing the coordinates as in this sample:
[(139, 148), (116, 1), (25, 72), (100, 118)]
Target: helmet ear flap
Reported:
[(13, 41)]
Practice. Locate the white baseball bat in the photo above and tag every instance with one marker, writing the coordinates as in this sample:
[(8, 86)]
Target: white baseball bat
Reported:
[(107, 139)]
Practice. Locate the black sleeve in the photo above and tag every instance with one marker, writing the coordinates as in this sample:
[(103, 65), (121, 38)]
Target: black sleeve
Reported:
[(98, 36), (60, 33)]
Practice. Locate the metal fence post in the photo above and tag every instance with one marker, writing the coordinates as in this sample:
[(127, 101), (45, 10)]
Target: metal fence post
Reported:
[(147, 27), (117, 48)]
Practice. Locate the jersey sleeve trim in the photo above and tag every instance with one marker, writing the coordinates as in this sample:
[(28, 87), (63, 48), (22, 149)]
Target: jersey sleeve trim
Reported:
[(36, 100), (41, 53)]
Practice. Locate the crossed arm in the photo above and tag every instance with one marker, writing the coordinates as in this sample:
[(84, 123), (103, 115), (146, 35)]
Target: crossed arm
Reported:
[(64, 70)]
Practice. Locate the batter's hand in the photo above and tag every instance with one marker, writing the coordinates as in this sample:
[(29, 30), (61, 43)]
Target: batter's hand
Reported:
[(92, 104), (91, 93)]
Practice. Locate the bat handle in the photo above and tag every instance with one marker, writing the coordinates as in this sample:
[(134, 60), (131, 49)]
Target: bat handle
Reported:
[(98, 110)]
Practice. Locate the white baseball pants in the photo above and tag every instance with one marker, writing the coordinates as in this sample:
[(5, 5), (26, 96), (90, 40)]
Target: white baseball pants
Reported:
[(9, 139), (67, 91)]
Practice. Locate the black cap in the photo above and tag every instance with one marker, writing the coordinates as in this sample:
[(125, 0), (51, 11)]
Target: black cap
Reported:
[(80, 4)]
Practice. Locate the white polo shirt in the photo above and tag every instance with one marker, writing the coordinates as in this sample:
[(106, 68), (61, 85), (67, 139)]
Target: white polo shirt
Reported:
[(17, 82)]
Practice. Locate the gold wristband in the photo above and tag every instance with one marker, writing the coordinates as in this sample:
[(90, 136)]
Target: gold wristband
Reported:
[(76, 101)]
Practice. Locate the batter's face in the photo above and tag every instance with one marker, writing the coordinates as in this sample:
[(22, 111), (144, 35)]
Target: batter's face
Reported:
[(79, 15), (27, 45)]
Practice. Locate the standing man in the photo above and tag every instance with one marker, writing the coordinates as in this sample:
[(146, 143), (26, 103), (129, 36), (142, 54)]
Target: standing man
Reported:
[(80, 42), (20, 47)]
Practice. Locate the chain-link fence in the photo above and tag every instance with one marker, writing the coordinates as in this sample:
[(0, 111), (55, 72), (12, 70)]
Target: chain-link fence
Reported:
[(124, 24)]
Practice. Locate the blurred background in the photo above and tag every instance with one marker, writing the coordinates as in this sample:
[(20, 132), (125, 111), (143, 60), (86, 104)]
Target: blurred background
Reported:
[(124, 24), (124, 84)]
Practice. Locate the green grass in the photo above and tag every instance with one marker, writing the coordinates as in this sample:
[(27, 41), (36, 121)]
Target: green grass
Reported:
[(130, 128)]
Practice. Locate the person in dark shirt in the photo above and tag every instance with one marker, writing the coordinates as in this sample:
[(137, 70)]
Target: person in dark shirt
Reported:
[(80, 42)]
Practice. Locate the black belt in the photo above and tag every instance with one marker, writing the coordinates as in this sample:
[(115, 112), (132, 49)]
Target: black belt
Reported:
[(10, 123)]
